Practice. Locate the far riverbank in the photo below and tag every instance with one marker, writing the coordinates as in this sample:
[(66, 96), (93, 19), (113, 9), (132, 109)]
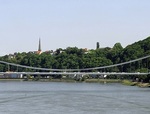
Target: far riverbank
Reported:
[(65, 80), (124, 82), (131, 83)]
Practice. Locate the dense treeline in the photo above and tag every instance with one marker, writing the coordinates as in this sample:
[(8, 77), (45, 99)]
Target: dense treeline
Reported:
[(75, 58)]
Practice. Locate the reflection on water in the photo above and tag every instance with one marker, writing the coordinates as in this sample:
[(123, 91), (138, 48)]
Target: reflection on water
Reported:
[(72, 98)]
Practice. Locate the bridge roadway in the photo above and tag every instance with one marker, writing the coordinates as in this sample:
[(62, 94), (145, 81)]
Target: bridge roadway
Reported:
[(77, 73)]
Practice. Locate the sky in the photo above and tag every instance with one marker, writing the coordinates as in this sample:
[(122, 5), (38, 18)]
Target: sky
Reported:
[(71, 23)]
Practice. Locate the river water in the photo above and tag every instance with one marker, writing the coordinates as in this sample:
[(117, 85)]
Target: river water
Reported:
[(72, 98)]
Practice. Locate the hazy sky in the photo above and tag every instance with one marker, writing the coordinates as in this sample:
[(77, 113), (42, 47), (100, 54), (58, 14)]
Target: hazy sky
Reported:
[(64, 23)]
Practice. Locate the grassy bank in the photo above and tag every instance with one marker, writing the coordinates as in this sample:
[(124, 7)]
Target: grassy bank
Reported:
[(87, 80), (66, 80), (11, 79), (125, 82), (103, 80), (131, 83)]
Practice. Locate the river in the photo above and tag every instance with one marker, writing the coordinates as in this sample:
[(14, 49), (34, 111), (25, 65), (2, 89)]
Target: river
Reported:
[(18, 97)]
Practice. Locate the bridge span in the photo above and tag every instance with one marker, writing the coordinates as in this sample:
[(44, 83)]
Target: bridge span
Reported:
[(101, 70), (75, 73)]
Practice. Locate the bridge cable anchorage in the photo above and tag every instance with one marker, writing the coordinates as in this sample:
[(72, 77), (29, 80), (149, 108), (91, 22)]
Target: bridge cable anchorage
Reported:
[(70, 70)]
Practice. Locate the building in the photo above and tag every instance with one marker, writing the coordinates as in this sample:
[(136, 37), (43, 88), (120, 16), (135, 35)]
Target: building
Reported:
[(39, 51)]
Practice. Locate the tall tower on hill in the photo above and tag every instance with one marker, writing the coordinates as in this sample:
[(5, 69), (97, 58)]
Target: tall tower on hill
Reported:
[(39, 48)]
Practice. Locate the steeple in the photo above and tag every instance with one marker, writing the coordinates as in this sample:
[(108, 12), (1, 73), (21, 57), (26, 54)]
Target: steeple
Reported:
[(39, 48)]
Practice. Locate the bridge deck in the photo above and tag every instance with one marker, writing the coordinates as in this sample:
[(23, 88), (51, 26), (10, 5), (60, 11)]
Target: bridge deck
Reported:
[(73, 73)]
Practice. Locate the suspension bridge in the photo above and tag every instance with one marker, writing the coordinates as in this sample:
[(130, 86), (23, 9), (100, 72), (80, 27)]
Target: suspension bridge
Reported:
[(90, 71)]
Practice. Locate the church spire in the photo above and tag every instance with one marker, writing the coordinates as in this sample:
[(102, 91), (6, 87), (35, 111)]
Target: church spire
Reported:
[(39, 48)]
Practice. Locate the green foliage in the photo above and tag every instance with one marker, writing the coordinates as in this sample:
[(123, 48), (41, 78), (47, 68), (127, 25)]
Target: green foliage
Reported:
[(75, 58)]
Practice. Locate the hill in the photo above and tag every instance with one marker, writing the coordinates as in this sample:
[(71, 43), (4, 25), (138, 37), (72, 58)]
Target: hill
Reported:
[(75, 58)]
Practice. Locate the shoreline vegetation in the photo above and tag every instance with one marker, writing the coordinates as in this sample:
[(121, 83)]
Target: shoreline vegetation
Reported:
[(124, 82), (132, 83), (65, 80)]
